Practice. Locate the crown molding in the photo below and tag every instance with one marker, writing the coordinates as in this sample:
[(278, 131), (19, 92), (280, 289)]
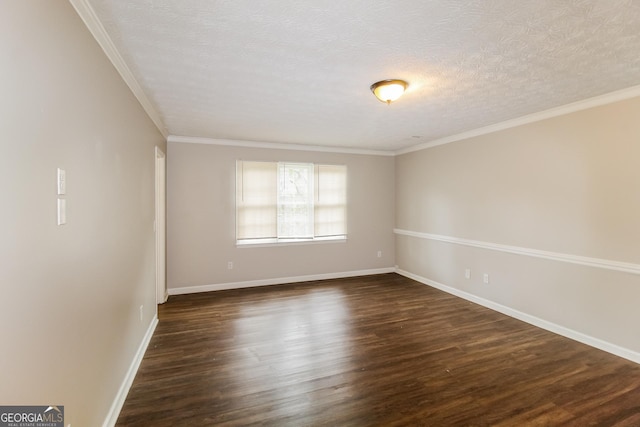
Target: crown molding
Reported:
[(89, 17), (585, 104), (596, 101), (276, 146)]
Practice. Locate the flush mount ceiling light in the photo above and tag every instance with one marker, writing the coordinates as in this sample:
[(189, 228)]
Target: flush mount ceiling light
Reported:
[(389, 90)]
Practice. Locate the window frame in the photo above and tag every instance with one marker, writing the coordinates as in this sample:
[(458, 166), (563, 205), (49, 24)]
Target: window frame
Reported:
[(284, 241)]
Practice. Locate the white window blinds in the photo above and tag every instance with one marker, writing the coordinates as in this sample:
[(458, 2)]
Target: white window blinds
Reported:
[(290, 201), (256, 200), (331, 200)]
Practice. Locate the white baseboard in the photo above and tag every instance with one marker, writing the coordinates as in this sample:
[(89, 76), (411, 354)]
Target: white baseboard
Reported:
[(532, 320), (116, 406), (278, 281)]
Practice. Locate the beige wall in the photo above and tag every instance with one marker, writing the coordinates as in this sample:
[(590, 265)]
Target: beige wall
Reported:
[(567, 185), (201, 219), (70, 294)]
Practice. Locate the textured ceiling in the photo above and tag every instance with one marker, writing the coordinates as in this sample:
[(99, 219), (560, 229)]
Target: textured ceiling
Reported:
[(291, 71)]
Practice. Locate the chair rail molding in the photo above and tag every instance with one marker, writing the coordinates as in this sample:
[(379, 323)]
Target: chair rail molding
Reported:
[(625, 267)]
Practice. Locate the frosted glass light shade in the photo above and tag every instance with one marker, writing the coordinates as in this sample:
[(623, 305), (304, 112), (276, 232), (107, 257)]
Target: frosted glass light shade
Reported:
[(389, 90)]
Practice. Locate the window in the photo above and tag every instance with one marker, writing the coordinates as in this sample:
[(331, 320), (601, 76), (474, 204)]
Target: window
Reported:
[(290, 202)]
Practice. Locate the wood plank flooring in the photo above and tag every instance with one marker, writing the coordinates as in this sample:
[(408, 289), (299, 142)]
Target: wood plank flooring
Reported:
[(368, 351)]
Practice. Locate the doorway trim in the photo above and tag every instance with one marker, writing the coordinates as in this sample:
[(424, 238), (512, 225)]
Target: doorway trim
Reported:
[(160, 225)]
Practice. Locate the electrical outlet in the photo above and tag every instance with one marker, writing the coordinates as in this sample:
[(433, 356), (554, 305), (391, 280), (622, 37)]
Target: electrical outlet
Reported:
[(230, 265), (485, 278), (467, 273), (379, 254), (141, 312)]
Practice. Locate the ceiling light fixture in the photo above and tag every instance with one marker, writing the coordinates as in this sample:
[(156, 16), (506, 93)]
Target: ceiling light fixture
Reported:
[(389, 90)]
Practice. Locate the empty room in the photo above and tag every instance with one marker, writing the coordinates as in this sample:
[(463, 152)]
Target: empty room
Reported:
[(309, 213)]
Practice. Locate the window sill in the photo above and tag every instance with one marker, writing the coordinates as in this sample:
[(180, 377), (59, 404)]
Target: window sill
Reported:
[(259, 243)]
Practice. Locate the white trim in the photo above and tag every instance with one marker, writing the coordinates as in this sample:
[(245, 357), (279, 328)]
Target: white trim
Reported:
[(276, 146), (88, 15), (597, 101), (624, 267), (277, 281), (271, 243), (116, 406), (532, 320), (160, 224)]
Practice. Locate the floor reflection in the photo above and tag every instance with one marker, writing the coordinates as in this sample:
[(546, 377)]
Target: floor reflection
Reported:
[(293, 345)]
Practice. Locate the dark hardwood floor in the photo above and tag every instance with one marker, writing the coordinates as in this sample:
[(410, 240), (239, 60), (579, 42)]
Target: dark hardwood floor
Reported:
[(368, 351)]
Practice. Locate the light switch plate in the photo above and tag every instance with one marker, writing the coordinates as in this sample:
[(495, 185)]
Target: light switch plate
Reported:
[(62, 182), (62, 211)]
